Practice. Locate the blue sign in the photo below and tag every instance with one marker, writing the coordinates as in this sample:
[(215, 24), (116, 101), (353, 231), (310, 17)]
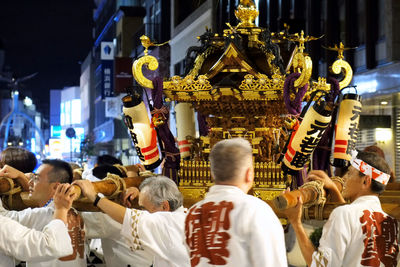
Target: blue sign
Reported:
[(55, 130)]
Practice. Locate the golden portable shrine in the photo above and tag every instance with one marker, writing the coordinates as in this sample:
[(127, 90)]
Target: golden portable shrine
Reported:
[(246, 82), (236, 80)]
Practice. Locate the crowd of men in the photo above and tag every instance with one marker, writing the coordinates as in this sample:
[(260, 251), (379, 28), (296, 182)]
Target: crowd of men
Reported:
[(228, 227)]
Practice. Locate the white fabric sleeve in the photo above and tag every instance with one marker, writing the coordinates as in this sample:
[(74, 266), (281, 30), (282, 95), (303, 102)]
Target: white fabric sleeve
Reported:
[(35, 218), (32, 245), (267, 241), (100, 225), (334, 241)]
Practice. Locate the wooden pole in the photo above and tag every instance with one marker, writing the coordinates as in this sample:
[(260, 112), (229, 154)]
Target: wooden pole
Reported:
[(308, 194), (106, 187)]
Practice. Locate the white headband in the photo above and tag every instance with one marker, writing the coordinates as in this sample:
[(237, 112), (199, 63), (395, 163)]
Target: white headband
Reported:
[(367, 169)]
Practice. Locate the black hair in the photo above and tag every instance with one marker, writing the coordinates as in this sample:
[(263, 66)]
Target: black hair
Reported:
[(377, 162), (18, 158), (61, 171), (102, 170), (107, 159)]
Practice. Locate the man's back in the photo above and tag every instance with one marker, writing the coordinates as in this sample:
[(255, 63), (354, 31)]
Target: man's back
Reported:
[(159, 232), (358, 234), (231, 228)]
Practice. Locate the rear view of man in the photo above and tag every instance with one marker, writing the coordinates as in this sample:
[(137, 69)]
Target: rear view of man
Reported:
[(229, 227)]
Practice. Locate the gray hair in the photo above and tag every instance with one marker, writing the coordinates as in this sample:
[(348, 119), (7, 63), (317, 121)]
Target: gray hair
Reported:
[(229, 159), (159, 189)]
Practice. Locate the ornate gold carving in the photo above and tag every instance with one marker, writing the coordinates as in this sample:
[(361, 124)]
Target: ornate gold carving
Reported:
[(251, 88), (246, 13), (301, 39), (188, 84), (340, 64), (151, 63), (339, 49), (192, 194), (231, 58), (263, 87), (198, 62), (337, 68), (267, 194), (315, 86), (146, 43), (302, 64)]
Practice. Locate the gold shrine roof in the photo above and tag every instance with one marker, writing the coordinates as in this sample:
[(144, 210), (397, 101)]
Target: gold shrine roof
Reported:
[(247, 62)]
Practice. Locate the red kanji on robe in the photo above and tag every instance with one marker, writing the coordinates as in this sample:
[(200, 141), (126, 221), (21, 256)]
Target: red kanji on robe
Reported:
[(381, 244), (206, 230)]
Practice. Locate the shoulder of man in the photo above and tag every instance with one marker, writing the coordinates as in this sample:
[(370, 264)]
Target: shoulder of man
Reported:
[(255, 202), (342, 212)]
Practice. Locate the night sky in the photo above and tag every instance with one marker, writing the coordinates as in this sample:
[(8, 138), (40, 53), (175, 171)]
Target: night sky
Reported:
[(51, 37)]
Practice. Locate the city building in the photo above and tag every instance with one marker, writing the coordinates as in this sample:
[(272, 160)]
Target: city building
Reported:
[(66, 129), (106, 71)]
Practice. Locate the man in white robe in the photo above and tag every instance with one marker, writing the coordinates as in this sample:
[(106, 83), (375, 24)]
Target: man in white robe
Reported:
[(42, 187), (360, 233), (31, 245), (115, 250), (158, 230), (229, 227)]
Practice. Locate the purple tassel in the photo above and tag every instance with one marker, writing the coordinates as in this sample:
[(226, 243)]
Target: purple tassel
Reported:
[(293, 107), (172, 155)]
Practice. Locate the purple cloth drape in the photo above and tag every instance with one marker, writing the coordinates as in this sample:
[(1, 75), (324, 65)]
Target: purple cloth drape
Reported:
[(203, 125), (171, 152), (293, 107)]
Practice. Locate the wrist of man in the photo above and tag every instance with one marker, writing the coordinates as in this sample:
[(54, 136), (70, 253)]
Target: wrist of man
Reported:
[(296, 223), (97, 198), (61, 214)]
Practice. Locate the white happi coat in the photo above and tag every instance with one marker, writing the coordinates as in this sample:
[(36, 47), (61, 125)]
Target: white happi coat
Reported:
[(231, 228), (358, 234), (27, 244), (115, 250), (161, 233), (37, 219)]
